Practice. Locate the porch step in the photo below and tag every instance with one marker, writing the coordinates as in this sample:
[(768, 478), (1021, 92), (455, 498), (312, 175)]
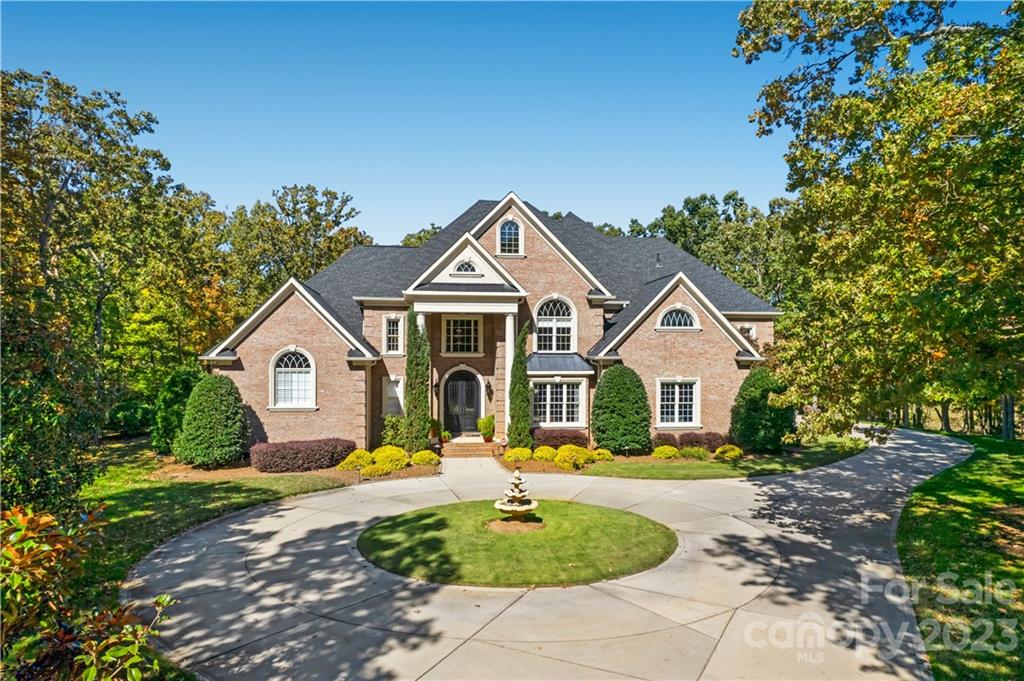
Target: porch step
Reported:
[(468, 449)]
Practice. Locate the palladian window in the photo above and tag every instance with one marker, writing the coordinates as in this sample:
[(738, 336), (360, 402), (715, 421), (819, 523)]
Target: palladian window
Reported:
[(554, 326), (293, 380)]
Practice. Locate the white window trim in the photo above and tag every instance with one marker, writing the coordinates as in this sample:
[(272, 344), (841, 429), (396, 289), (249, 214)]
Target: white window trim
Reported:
[(678, 329), (444, 334), (384, 381), (271, 406), (696, 425), (574, 328), (521, 253), (384, 335), (581, 422)]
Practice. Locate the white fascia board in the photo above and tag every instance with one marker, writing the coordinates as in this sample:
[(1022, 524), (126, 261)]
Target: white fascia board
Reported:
[(462, 295), (716, 315), (292, 285), (446, 257), (555, 242), (466, 307), (752, 315)]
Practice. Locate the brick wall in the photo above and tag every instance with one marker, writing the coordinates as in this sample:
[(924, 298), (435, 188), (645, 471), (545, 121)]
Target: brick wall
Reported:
[(340, 386)]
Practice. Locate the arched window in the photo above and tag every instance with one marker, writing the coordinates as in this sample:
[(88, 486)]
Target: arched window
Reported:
[(509, 241), (677, 318), (293, 380), (554, 326), (465, 267)]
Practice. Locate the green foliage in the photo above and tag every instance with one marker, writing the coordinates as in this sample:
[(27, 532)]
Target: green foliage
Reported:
[(485, 425), (518, 454), (697, 453), (907, 161), (851, 445), (425, 457), (41, 628), (170, 407), (755, 423), (417, 386), (214, 431), (600, 455), (520, 417), (420, 237), (621, 418), (393, 432), (391, 458), (356, 460), (728, 453), (571, 457), (665, 452), (544, 453), (130, 417)]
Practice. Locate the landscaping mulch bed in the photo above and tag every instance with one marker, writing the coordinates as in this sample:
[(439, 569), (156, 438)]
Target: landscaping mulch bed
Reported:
[(171, 470)]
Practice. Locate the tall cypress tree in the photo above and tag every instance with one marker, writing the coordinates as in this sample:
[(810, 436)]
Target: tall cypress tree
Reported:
[(519, 396), (417, 386)]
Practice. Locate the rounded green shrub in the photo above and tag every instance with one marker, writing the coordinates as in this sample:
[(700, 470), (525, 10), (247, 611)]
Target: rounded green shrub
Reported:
[(214, 430), (518, 454), (170, 407), (728, 453), (392, 458), (757, 425), (356, 460), (393, 431), (425, 457), (621, 417), (130, 417), (665, 452), (375, 470), (601, 455), (544, 453), (571, 457), (698, 453)]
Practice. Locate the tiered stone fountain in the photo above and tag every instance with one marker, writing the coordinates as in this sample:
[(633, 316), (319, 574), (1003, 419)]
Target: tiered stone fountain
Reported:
[(517, 506)]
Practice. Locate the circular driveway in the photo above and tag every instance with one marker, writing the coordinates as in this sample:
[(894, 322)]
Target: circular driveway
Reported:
[(763, 564)]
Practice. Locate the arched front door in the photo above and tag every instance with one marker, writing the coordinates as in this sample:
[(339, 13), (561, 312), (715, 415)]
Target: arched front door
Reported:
[(461, 402)]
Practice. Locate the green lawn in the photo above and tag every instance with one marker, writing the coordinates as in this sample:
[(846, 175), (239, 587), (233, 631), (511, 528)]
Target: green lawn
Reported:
[(823, 452), (968, 521), (580, 543), (142, 512)]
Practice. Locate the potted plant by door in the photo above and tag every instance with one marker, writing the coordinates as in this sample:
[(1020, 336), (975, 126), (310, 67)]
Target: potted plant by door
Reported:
[(435, 428), (445, 436), (486, 427)]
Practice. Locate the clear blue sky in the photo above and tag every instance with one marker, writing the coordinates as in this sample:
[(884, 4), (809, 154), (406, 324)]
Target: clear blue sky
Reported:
[(608, 110)]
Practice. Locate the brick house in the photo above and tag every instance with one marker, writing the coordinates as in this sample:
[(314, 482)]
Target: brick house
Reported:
[(326, 357)]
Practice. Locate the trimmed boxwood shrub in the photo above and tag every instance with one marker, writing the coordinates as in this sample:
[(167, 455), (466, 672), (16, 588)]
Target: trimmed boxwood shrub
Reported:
[(728, 453), (698, 453), (425, 457), (556, 437), (601, 455), (571, 457), (356, 460), (392, 458), (621, 418), (393, 431), (214, 431), (665, 452), (130, 417), (665, 439), (544, 453), (375, 470), (299, 455), (518, 454), (709, 441), (756, 424), (170, 407)]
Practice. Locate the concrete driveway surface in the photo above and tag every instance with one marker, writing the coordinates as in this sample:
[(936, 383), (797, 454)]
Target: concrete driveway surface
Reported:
[(768, 582)]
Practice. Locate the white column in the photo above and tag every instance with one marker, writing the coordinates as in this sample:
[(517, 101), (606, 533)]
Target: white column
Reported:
[(510, 351)]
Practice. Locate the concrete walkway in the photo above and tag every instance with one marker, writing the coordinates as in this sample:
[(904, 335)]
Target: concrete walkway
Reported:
[(766, 584)]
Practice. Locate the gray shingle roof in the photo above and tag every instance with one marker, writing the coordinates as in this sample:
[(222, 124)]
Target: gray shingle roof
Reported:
[(546, 361), (627, 266)]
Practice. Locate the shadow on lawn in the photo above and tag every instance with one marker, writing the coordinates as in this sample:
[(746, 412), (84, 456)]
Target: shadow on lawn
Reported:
[(831, 525)]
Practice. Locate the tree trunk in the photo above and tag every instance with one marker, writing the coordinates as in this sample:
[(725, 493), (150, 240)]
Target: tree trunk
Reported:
[(1009, 431), (944, 417), (918, 416), (906, 415)]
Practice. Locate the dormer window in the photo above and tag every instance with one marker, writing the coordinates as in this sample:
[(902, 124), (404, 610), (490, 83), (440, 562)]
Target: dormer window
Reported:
[(509, 239), (678, 319)]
